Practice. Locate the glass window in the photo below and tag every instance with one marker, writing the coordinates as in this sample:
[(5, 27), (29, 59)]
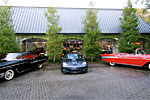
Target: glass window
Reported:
[(73, 56), (12, 56), (141, 51)]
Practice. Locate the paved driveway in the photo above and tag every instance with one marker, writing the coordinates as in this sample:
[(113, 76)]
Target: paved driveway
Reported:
[(102, 82)]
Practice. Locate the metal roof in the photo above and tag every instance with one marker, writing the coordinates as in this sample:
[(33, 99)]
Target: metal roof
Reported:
[(33, 20)]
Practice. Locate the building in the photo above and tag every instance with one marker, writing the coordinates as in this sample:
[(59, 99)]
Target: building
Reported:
[(30, 23)]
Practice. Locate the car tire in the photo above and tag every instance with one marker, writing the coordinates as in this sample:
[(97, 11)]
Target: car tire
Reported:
[(112, 63), (39, 66), (86, 70), (148, 66), (62, 71), (9, 74)]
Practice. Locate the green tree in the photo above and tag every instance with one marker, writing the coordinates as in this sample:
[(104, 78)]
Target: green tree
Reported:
[(54, 42), (92, 47), (145, 2), (130, 33), (7, 34), (143, 13)]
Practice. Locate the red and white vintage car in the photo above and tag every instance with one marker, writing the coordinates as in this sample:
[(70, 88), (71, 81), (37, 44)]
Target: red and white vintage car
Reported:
[(140, 58)]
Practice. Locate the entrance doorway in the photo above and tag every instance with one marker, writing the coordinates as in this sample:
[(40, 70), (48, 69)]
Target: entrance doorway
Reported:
[(33, 44), (107, 46), (72, 45)]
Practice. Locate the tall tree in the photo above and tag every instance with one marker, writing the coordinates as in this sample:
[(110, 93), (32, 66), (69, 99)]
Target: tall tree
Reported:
[(7, 34), (143, 13), (130, 33), (145, 2), (92, 47), (54, 42)]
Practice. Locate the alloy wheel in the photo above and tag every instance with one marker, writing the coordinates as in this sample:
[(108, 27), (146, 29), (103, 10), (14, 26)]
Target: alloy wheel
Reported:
[(40, 66), (112, 63), (148, 66), (9, 74)]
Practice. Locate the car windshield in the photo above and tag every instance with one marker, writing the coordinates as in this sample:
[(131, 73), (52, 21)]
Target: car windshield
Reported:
[(141, 51), (73, 56), (12, 56)]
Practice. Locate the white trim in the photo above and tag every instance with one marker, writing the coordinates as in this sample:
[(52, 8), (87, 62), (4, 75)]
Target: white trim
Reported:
[(12, 65), (106, 57), (37, 61)]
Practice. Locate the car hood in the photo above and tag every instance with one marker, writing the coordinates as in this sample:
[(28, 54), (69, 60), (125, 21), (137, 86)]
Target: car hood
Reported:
[(74, 63)]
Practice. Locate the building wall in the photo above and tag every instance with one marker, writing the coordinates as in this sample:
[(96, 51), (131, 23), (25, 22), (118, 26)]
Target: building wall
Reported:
[(110, 40)]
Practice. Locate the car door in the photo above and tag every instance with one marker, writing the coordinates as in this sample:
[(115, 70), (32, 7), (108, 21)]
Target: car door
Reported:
[(33, 59), (22, 64), (123, 58)]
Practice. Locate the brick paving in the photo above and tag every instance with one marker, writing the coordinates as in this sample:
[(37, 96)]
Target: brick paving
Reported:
[(102, 82)]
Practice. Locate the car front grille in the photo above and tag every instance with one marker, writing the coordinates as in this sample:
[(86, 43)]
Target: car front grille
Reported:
[(74, 64), (75, 69)]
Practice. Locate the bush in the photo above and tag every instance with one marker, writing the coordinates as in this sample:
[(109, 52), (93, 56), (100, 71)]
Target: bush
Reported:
[(50, 60)]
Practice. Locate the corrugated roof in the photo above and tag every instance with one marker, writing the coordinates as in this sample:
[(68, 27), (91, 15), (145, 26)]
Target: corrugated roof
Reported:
[(33, 20)]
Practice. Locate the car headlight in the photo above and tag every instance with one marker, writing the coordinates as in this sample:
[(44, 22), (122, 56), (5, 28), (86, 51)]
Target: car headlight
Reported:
[(65, 64), (45, 54), (84, 63)]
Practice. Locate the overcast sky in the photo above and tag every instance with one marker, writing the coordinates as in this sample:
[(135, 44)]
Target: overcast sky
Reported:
[(71, 3)]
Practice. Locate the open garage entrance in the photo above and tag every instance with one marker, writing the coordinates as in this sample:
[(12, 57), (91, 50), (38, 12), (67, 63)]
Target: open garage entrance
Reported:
[(33, 44), (72, 45)]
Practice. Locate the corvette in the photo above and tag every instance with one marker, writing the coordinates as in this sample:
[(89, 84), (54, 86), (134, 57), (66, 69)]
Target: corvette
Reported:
[(140, 58), (73, 63)]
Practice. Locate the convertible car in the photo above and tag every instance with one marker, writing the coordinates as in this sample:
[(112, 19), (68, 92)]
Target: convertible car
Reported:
[(140, 58), (73, 63), (19, 62)]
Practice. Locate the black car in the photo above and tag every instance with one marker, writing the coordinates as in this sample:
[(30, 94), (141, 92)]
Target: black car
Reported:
[(19, 62), (73, 63)]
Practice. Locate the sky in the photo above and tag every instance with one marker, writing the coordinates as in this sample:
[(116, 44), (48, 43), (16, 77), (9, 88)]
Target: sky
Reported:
[(116, 4)]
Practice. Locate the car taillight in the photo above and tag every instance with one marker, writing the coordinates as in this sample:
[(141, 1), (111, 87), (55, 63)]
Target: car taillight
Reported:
[(42, 53)]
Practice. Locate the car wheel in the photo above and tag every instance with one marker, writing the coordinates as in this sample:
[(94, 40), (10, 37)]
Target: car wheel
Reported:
[(148, 66), (86, 70), (9, 74), (62, 70), (40, 66), (112, 63)]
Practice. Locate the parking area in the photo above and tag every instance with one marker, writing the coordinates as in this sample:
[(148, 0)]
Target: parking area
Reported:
[(102, 82)]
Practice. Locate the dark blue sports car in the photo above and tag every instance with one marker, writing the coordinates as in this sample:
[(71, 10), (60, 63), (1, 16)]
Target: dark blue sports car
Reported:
[(73, 63)]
